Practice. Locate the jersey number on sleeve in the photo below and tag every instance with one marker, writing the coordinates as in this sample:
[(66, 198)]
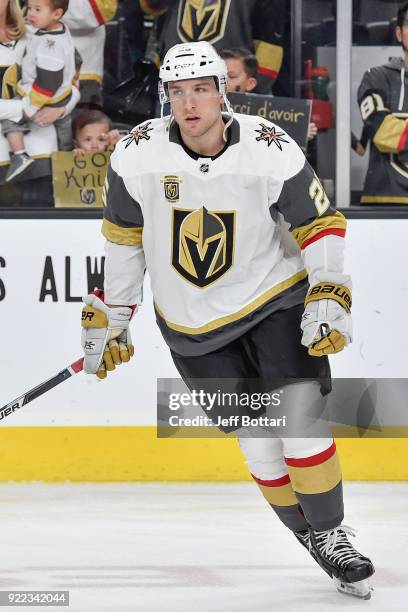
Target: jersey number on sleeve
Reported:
[(371, 104), (318, 195)]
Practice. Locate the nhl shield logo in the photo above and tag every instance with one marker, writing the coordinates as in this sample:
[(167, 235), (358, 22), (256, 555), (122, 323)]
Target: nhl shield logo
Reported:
[(171, 188), (202, 244), (202, 20)]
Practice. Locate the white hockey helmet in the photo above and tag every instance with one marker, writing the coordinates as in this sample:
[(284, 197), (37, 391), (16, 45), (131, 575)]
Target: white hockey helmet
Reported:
[(193, 61)]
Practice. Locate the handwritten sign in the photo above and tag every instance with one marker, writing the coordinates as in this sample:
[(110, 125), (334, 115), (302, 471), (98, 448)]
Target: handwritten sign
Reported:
[(291, 114), (78, 179)]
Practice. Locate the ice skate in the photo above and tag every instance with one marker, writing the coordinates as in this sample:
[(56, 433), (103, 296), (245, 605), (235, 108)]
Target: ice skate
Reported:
[(304, 538), (361, 589), (349, 569)]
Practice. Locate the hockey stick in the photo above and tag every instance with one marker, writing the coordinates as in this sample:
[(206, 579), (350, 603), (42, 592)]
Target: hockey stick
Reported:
[(42, 388)]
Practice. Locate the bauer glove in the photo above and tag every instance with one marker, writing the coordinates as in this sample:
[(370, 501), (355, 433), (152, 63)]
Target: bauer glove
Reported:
[(326, 322), (106, 336)]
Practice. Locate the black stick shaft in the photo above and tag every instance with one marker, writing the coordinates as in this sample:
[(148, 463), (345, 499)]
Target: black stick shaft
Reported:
[(42, 388)]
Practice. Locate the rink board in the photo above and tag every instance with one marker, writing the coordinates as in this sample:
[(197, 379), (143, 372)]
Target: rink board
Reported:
[(91, 430)]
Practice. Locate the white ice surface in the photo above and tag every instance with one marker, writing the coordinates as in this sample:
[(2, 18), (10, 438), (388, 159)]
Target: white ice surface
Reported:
[(189, 548)]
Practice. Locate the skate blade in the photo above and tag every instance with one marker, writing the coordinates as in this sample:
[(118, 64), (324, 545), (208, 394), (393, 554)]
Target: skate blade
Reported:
[(361, 589)]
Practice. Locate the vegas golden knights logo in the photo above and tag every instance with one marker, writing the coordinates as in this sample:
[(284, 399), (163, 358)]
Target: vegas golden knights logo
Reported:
[(202, 20), (171, 188), (202, 244)]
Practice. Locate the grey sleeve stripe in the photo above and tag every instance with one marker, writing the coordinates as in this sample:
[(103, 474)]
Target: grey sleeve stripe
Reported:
[(121, 208), (295, 202)]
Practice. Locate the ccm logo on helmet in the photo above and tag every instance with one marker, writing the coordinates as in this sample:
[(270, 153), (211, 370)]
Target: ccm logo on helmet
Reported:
[(177, 66)]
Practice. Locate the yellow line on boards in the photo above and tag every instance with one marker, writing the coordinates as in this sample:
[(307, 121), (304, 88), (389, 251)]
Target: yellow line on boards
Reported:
[(123, 454)]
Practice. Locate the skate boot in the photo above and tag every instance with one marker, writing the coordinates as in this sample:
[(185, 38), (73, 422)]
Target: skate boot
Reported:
[(349, 569), (304, 538)]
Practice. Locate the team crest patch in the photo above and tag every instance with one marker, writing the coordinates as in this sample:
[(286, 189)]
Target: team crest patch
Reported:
[(171, 188), (87, 196), (202, 20), (270, 135), (202, 244), (140, 133), (50, 44)]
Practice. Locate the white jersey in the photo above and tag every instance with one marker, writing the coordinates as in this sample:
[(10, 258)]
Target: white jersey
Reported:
[(10, 54), (221, 237), (86, 21), (47, 70)]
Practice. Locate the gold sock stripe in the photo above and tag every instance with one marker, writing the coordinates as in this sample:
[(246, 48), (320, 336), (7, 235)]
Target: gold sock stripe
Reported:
[(325, 291), (316, 479), (279, 496)]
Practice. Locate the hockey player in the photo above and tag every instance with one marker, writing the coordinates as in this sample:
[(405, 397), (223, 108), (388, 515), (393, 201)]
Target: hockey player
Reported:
[(383, 101), (233, 225)]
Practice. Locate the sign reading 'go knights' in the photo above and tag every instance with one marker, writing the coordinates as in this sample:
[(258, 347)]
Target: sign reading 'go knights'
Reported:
[(78, 180)]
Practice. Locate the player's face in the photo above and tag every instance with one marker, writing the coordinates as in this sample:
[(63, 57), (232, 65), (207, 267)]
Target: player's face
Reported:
[(41, 15), (196, 105), (93, 137), (238, 80), (402, 33)]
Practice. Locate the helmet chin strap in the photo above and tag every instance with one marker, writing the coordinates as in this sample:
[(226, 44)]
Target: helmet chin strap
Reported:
[(167, 121), (230, 111)]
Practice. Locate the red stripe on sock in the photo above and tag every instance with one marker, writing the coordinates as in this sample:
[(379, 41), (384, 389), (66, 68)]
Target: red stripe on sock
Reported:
[(314, 459), (335, 231), (278, 482)]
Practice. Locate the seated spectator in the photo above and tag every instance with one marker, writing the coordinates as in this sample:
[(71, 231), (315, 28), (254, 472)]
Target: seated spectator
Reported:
[(86, 21), (383, 101), (47, 75), (92, 132), (242, 68), (252, 24)]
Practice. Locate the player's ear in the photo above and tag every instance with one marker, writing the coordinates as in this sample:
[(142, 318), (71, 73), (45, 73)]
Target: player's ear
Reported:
[(251, 84), (58, 13), (398, 34)]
